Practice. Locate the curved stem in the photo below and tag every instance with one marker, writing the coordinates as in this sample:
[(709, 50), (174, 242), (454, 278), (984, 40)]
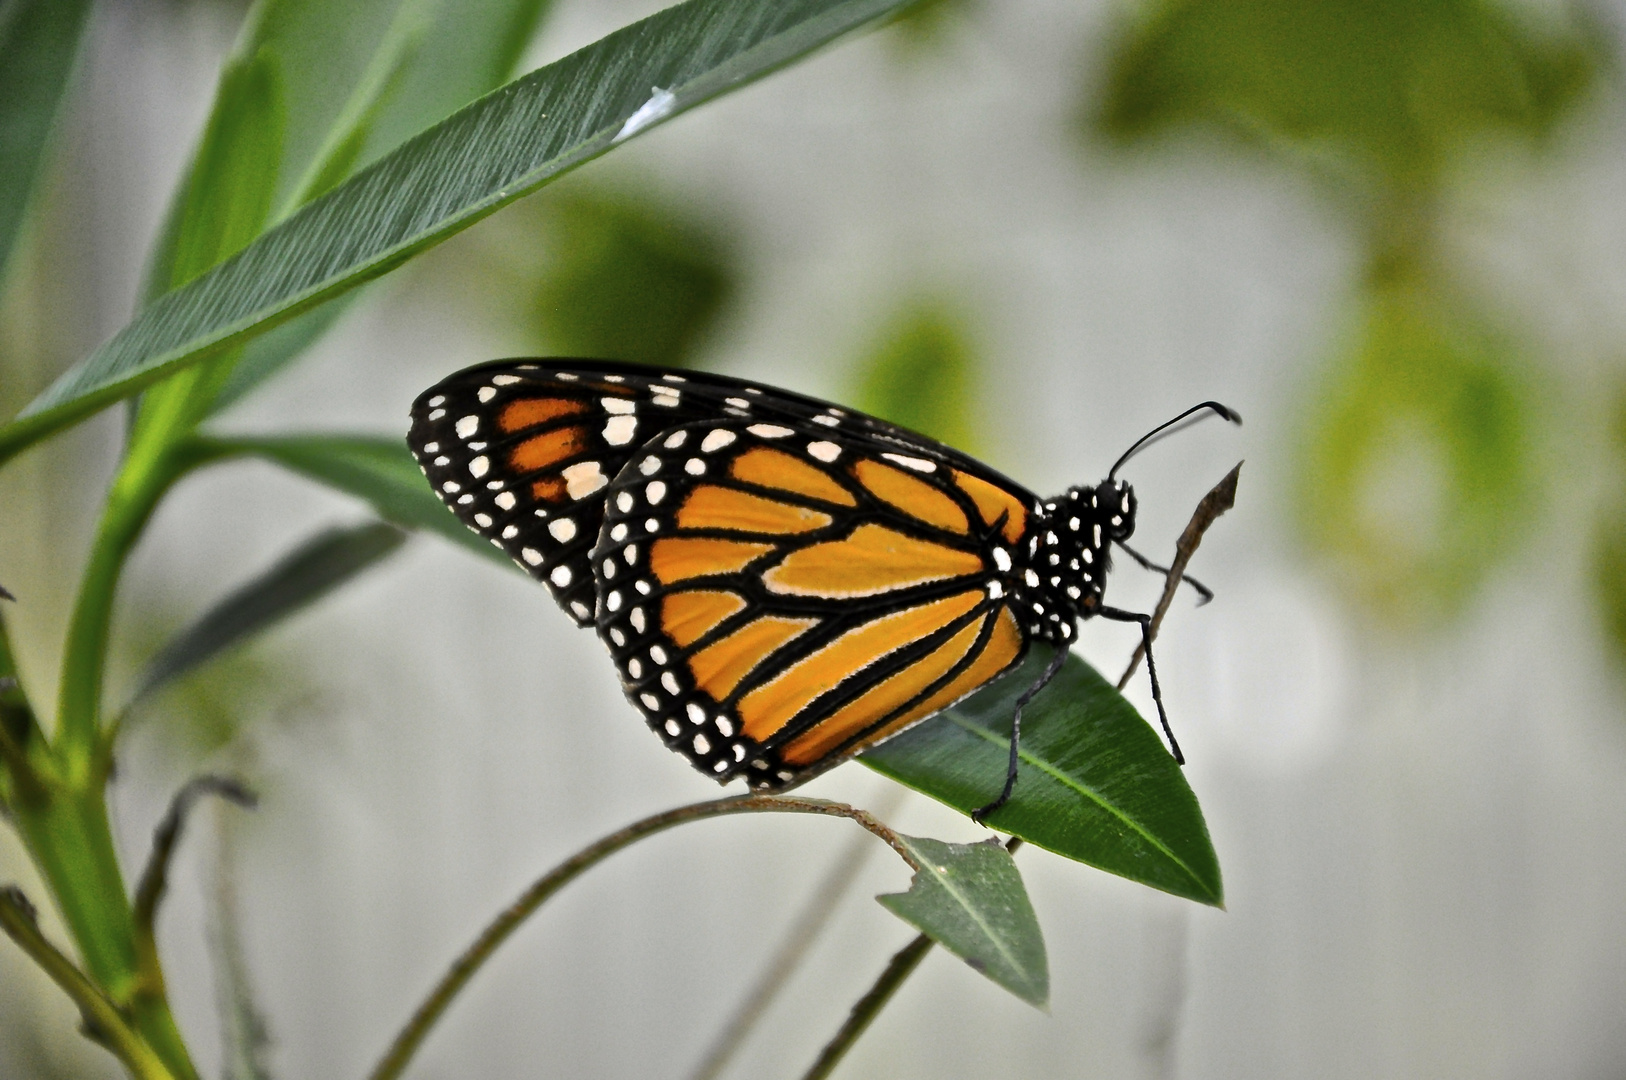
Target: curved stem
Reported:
[(411, 1036)]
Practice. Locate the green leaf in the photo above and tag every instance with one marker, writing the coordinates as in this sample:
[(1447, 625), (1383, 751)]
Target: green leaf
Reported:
[(473, 47), (1096, 783), (38, 42), (339, 153), (969, 899), (305, 575), (275, 349), (224, 204), (628, 279), (227, 197), (503, 146), (923, 373), (381, 471)]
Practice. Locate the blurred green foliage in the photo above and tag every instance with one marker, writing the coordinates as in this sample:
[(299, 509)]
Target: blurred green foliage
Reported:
[(1415, 460), (1609, 541), (630, 279), (1391, 85), (924, 26), (921, 372), (1413, 469)]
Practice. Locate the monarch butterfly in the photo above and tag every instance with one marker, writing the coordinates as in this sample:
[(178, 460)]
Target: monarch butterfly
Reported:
[(781, 582)]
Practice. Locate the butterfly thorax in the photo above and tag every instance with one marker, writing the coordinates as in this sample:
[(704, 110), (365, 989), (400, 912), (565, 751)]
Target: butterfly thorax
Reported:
[(1062, 569)]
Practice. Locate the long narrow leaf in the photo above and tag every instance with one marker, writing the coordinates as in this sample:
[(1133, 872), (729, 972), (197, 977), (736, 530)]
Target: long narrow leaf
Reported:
[(38, 41), (1096, 783), (501, 147), (304, 576), (381, 471)]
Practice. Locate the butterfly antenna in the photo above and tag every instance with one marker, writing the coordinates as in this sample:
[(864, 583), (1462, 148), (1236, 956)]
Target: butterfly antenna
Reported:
[(1228, 413)]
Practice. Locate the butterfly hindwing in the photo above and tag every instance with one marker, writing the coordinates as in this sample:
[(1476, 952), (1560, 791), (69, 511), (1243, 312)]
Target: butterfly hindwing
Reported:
[(780, 595)]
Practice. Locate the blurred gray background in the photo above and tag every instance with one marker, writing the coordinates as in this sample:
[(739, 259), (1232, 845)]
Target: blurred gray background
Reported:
[(1412, 758)]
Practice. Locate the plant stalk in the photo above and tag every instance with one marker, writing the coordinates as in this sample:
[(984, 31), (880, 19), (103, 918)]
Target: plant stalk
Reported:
[(103, 1021), (406, 1043)]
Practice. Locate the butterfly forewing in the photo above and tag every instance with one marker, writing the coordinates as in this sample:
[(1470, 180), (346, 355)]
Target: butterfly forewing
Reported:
[(523, 452), (779, 595)]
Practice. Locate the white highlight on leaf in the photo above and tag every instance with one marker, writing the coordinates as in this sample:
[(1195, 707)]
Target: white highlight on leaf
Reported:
[(658, 107)]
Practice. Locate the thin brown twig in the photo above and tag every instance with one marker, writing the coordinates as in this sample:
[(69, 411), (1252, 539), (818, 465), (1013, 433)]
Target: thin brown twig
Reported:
[(411, 1036), (155, 877), (1215, 503)]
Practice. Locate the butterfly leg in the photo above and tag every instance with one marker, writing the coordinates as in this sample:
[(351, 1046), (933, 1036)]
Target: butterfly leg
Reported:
[(1204, 593), (1016, 734), (1118, 615)]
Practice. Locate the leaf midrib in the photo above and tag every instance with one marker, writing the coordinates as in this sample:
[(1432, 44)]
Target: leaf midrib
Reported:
[(942, 879), (1089, 793)]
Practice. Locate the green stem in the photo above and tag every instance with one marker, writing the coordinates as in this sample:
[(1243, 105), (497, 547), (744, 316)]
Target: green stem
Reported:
[(69, 837), (103, 1021), (400, 1053), (134, 496), (866, 1008)]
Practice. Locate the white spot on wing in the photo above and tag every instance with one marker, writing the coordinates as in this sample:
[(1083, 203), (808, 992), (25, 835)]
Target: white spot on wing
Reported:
[(618, 430), (716, 440), (824, 451), (479, 466), (486, 393), (583, 478), (467, 426), (769, 431), (505, 499), (620, 406), (563, 529), (534, 557), (504, 380), (917, 464)]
